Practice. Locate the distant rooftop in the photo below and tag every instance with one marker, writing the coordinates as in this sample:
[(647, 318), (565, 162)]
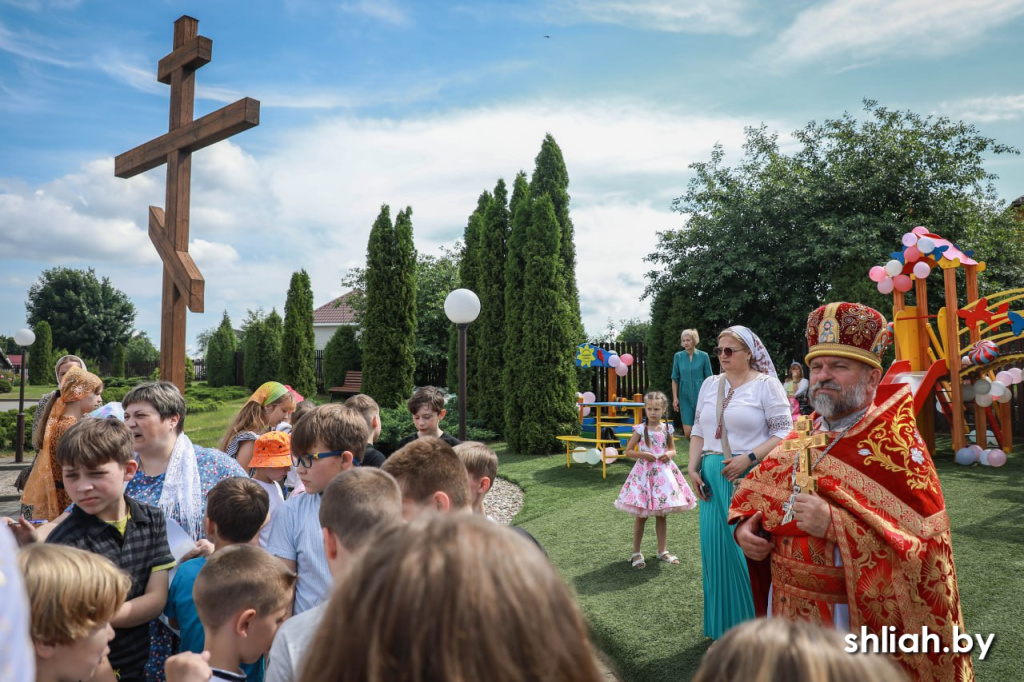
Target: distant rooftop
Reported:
[(337, 311)]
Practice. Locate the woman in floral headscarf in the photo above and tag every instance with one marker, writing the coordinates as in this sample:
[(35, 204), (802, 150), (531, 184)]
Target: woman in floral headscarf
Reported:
[(80, 393), (267, 407), (742, 414)]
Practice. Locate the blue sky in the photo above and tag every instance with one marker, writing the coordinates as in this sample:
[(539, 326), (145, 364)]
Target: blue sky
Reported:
[(426, 104)]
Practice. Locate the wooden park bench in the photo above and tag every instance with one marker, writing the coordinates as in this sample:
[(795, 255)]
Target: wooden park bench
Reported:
[(353, 385)]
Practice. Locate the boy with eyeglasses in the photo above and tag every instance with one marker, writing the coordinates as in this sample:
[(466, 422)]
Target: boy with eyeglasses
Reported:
[(326, 441)]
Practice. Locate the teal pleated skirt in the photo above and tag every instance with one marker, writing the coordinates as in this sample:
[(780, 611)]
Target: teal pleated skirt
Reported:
[(727, 597)]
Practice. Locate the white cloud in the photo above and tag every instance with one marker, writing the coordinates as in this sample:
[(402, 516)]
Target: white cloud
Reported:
[(985, 109), (33, 47), (861, 30), (731, 17), (309, 201)]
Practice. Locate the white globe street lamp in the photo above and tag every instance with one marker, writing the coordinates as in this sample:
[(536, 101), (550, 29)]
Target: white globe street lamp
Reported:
[(462, 306), (24, 338)]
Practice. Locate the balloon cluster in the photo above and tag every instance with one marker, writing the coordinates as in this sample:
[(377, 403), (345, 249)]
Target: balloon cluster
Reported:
[(587, 397), (594, 456), (993, 457), (895, 274), (620, 363), (985, 392)]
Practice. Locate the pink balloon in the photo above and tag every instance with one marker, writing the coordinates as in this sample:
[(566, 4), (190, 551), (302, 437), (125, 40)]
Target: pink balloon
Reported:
[(911, 254), (921, 269), (876, 274), (586, 411), (1018, 375), (996, 457), (885, 286), (902, 283), (589, 397), (919, 230), (622, 370), (626, 359), (610, 455), (613, 361), (1005, 378)]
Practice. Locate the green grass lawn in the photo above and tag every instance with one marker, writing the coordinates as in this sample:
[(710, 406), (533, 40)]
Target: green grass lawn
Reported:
[(32, 392), (650, 622)]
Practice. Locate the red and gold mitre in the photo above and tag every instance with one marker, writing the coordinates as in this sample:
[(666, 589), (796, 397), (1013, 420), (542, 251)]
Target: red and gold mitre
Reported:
[(849, 330)]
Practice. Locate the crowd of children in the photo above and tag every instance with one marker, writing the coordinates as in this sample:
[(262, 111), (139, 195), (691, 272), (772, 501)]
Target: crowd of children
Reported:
[(372, 568)]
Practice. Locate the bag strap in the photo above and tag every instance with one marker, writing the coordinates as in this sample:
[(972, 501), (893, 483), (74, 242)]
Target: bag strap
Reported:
[(719, 408)]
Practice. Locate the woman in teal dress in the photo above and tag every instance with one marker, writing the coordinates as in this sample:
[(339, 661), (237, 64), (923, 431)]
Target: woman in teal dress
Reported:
[(690, 367)]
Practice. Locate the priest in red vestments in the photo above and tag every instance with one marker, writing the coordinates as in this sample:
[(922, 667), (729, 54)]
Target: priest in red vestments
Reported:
[(851, 513)]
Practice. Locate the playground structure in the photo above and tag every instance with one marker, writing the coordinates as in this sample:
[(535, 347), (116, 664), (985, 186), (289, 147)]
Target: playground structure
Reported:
[(957, 365), (605, 425)]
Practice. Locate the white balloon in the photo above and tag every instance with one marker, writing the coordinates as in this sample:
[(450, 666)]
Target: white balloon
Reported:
[(1018, 375), (1005, 398), (593, 456), (983, 400), (998, 389), (925, 244), (982, 386), (579, 455), (893, 268)]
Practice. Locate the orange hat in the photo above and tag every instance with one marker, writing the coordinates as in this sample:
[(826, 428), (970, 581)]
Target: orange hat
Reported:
[(271, 450)]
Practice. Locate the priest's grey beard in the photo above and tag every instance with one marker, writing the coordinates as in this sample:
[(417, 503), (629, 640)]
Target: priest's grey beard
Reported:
[(847, 402)]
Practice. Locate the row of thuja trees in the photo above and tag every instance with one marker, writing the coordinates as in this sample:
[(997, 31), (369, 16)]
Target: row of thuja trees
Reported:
[(519, 256)]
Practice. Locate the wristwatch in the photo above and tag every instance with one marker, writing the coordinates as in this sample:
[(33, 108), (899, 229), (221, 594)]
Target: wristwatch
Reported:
[(753, 457)]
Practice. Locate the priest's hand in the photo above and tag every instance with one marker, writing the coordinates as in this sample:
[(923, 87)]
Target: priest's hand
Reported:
[(813, 514), (753, 545)]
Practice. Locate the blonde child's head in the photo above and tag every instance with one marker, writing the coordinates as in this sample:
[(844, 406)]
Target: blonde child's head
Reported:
[(781, 649), (244, 588), (269, 405), (358, 504), (370, 410), (656, 406), (73, 595), (482, 466), (433, 595)]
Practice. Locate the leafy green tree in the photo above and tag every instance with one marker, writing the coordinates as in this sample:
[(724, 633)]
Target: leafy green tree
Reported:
[(342, 354), (8, 345), (220, 355), (119, 361), (389, 320), (547, 399), (488, 360), (515, 373), (190, 371), (633, 330), (298, 341), (140, 349), (40, 354), (774, 237), (83, 311), (261, 344)]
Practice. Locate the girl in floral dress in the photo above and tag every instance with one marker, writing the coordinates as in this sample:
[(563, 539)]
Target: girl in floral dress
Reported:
[(655, 487)]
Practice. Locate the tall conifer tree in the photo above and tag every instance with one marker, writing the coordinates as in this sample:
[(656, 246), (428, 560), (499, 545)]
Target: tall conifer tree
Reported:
[(298, 340), (471, 271), (220, 355), (389, 317), (551, 178), (515, 372), (40, 355), (548, 345), (490, 327)]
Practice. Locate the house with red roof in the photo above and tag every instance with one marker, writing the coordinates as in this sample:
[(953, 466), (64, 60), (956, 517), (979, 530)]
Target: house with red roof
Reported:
[(328, 317)]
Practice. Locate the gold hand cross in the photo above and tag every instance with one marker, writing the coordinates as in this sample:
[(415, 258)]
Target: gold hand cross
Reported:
[(804, 480)]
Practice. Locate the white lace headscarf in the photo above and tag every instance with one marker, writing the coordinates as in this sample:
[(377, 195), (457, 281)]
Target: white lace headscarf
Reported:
[(182, 496), (762, 362)]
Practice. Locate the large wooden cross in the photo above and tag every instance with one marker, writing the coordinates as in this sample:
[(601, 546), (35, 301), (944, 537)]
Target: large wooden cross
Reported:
[(183, 284)]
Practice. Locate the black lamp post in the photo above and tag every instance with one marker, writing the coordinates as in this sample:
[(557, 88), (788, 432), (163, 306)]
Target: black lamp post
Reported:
[(462, 307), (24, 338)]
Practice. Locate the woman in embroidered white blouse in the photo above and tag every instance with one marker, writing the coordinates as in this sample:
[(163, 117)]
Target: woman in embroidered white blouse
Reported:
[(754, 416)]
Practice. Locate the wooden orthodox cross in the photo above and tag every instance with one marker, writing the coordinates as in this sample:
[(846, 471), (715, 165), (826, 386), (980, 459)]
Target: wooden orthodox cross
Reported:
[(803, 478), (183, 284)]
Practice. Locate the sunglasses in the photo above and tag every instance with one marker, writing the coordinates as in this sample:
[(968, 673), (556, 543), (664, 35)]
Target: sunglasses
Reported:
[(726, 352), (306, 461)]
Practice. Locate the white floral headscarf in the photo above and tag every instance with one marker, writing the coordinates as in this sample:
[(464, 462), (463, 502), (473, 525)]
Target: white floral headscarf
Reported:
[(762, 362)]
